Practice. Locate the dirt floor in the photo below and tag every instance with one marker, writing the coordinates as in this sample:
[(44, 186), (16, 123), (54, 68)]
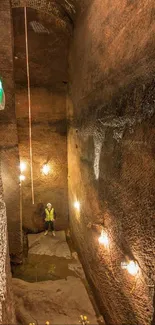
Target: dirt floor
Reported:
[(50, 266)]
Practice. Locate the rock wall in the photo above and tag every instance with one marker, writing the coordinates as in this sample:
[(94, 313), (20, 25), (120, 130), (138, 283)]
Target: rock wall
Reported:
[(49, 145), (7, 314), (111, 147), (8, 134)]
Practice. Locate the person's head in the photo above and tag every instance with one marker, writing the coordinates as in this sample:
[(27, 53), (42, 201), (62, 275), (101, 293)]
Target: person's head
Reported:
[(49, 206)]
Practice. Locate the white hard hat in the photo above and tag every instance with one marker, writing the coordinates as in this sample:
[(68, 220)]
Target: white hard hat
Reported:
[(49, 204)]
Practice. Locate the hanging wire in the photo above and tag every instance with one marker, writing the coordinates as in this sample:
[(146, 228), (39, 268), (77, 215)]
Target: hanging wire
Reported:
[(29, 103), (21, 207)]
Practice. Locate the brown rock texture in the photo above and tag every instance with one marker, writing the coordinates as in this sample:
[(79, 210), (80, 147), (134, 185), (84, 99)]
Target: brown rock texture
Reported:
[(111, 147), (59, 293), (48, 79), (7, 312), (49, 245), (8, 134), (49, 145), (111, 141), (48, 42), (54, 301), (8, 303)]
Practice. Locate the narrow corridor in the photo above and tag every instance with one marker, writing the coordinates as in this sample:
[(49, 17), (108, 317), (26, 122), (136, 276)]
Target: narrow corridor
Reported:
[(77, 153)]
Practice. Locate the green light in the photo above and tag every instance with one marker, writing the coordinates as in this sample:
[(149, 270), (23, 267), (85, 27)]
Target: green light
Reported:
[(2, 96)]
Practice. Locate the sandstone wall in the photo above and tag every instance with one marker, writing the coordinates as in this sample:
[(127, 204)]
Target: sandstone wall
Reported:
[(7, 313), (111, 147), (49, 145), (8, 134)]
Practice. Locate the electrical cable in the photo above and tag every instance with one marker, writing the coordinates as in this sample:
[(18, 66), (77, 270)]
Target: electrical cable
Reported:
[(29, 103)]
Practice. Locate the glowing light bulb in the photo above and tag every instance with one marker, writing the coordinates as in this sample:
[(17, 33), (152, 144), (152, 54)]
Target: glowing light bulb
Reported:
[(77, 205), (103, 239), (133, 268), (22, 166), (46, 169), (22, 178)]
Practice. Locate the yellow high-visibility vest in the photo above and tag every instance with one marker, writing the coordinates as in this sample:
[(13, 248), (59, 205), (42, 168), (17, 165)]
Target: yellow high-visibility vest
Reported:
[(49, 214)]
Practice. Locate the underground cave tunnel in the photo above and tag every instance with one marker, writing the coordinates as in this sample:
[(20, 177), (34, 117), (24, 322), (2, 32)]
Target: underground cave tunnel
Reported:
[(77, 104)]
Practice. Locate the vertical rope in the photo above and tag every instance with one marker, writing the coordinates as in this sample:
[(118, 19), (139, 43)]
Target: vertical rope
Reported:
[(29, 104), (21, 208)]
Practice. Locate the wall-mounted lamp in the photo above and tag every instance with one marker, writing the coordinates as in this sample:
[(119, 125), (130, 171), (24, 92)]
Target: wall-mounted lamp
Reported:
[(103, 239), (22, 166), (132, 267), (45, 169), (22, 178), (77, 205)]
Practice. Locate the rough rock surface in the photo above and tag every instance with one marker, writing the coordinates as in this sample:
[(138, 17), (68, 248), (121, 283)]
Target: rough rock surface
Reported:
[(48, 79), (111, 148), (8, 134), (58, 264), (77, 268), (49, 145), (59, 302), (7, 311), (111, 139), (49, 245), (50, 40)]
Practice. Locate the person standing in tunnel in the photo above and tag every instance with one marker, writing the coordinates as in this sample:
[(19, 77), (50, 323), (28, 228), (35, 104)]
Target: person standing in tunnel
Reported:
[(50, 216)]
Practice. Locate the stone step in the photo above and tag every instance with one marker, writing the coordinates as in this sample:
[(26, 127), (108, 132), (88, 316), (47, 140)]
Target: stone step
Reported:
[(49, 245)]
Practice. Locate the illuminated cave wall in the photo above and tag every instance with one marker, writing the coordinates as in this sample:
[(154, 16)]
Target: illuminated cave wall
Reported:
[(3, 249), (7, 314), (8, 134), (49, 145), (48, 68), (111, 153)]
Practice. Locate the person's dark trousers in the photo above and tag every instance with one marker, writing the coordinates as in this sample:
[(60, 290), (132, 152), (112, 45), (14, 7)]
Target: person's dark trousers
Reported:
[(49, 224)]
